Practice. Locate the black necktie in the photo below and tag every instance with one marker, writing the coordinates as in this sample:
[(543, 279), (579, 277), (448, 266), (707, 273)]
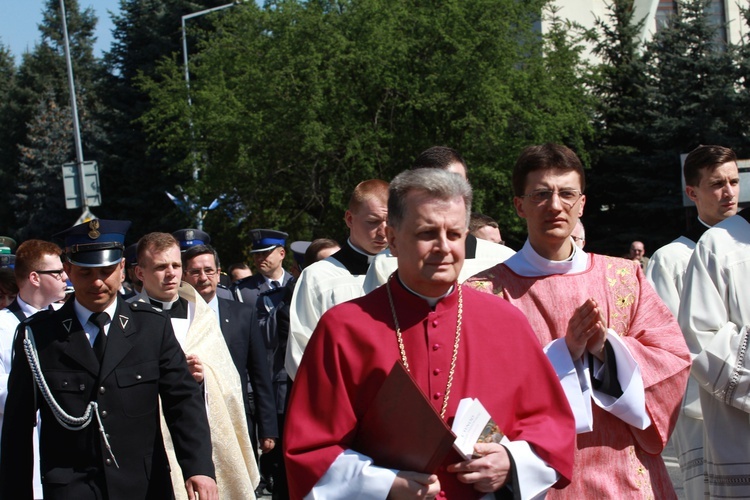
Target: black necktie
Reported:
[(275, 284), (100, 343)]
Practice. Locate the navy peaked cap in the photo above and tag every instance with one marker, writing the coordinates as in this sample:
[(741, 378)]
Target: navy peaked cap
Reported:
[(96, 243)]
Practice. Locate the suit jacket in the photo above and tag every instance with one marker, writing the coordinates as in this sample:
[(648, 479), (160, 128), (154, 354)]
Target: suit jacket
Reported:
[(143, 362), (239, 326), (247, 289), (272, 308)]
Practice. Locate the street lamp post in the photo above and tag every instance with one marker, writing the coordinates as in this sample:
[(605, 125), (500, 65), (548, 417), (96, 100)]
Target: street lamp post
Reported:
[(199, 221)]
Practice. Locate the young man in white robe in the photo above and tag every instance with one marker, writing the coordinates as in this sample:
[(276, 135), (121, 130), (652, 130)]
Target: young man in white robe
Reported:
[(712, 182)]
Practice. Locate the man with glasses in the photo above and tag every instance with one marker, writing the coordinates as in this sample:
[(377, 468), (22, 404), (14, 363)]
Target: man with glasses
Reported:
[(107, 367), (616, 348), (211, 364), (41, 282), (239, 326)]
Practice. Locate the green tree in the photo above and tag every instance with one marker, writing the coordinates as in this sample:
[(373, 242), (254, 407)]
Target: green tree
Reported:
[(678, 93), (296, 102), (8, 152), (41, 80), (41, 209), (136, 176)]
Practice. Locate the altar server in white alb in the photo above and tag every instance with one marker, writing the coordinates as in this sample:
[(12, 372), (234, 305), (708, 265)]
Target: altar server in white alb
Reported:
[(339, 277), (713, 183), (480, 254), (714, 315)]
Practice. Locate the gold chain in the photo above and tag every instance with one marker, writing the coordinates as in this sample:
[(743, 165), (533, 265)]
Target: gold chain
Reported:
[(402, 350)]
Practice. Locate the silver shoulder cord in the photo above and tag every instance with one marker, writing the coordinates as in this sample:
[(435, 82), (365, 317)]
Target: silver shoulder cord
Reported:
[(69, 422)]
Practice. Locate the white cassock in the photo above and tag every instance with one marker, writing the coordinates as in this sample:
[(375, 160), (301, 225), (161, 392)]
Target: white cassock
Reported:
[(714, 314), (321, 286), (666, 271)]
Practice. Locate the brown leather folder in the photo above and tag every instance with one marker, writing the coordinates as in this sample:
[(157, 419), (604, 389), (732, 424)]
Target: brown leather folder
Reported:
[(401, 429)]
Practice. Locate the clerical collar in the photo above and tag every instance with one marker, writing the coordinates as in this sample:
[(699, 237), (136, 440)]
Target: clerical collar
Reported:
[(353, 259), (695, 232), (527, 262), (164, 306), (369, 257), (174, 309), (83, 314), (432, 301)]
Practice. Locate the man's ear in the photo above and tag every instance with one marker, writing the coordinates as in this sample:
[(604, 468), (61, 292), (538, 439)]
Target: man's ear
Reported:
[(348, 218), (518, 203), (690, 192), (390, 236), (138, 272), (583, 203)]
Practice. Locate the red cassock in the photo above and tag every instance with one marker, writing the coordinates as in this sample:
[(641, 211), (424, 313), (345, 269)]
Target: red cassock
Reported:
[(499, 361)]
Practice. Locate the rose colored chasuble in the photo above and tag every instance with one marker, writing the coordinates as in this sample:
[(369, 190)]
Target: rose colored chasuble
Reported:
[(615, 460), (354, 347)]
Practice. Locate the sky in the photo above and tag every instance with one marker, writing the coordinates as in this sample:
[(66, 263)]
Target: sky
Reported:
[(20, 19)]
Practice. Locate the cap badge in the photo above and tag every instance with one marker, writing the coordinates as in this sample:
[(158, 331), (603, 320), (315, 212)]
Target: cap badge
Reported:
[(94, 229), (190, 235)]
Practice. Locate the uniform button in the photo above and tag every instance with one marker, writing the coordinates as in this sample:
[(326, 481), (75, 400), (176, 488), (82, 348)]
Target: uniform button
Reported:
[(108, 461), (138, 377), (65, 383), (102, 390), (82, 387), (437, 395), (104, 414), (436, 371), (435, 347), (435, 323)]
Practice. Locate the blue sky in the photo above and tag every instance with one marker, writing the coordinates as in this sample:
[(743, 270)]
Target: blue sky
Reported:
[(20, 18)]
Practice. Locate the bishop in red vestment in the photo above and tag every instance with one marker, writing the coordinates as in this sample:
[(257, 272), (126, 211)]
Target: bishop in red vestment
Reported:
[(497, 360)]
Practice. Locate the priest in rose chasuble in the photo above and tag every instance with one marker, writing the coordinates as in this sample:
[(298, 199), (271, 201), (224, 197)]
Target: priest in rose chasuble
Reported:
[(615, 346)]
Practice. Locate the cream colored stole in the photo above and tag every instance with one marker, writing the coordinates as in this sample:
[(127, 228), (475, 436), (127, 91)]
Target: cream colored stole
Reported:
[(236, 469)]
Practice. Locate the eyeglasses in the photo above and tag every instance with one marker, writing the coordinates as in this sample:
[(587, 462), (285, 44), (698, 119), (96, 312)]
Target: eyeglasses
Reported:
[(57, 273), (195, 273), (568, 197)]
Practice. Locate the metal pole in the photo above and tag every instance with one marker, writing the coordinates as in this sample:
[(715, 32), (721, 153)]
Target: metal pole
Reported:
[(74, 108), (199, 221)]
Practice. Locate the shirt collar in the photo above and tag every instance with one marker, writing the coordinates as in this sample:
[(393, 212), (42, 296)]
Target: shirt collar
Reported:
[(27, 309), (84, 314), (214, 305)]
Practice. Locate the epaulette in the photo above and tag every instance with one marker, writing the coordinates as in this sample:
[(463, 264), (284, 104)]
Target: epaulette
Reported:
[(144, 307)]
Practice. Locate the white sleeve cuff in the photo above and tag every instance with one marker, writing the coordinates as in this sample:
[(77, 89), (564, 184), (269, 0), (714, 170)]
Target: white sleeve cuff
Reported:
[(352, 475), (535, 477), (575, 381), (631, 406)]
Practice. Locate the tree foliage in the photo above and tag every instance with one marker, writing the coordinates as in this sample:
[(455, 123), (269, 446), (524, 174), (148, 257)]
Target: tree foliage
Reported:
[(297, 102), (656, 102)]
